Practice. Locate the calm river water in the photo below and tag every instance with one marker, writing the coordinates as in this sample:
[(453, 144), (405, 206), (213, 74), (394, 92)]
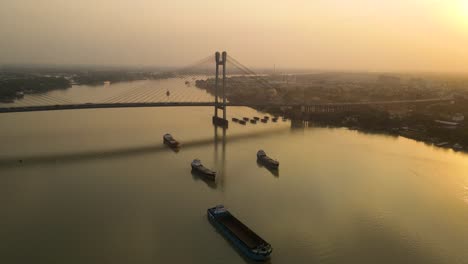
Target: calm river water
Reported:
[(98, 186)]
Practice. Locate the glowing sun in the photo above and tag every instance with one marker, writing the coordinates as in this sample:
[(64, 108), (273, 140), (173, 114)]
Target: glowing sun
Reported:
[(464, 8)]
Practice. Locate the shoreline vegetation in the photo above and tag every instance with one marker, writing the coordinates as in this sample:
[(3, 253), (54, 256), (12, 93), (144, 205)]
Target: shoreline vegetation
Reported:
[(440, 124), (15, 88), (14, 84)]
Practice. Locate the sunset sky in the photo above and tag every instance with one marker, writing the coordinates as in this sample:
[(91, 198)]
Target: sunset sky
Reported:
[(397, 35)]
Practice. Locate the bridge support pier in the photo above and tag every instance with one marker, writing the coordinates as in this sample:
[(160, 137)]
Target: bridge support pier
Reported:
[(218, 121)]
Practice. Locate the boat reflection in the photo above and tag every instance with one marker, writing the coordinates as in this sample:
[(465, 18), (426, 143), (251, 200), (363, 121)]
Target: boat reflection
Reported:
[(273, 171), (175, 150), (196, 176), (220, 158)]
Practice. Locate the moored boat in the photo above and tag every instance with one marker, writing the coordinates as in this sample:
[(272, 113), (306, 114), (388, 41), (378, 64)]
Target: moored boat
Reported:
[(274, 119), (242, 122), (253, 121), (266, 117), (198, 167), (243, 238), (457, 147), (264, 120), (246, 119), (267, 161), (235, 119), (256, 118), (170, 141)]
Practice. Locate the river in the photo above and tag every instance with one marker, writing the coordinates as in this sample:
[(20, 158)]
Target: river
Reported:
[(98, 186)]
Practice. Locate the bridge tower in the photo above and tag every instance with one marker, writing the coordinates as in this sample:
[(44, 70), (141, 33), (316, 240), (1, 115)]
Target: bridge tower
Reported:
[(220, 100)]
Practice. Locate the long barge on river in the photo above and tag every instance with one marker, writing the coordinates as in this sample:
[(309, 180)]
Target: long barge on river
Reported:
[(242, 237)]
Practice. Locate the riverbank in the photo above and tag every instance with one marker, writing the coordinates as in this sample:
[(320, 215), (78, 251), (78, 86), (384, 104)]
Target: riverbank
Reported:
[(437, 123), (375, 122), (14, 84), (16, 87)]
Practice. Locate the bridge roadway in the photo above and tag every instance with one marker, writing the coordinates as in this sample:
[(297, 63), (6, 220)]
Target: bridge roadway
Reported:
[(15, 109)]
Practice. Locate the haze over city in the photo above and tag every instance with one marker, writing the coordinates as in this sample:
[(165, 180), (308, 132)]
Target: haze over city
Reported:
[(185, 131), (358, 35)]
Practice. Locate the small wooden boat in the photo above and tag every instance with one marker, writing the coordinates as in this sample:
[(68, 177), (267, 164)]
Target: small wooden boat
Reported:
[(253, 121), (264, 120), (170, 141), (246, 119), (267, 161), (235, 119), (256, 118), (198, 167), (242, 122)]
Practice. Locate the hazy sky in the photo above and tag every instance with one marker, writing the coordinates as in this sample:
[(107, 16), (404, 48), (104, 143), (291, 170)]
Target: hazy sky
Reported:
[(375, 35)]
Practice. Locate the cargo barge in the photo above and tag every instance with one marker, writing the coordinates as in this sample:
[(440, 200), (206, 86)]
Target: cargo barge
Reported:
[(242, 237)]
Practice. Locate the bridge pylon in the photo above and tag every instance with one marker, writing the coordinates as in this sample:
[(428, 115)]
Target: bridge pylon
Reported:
[(220, 100)]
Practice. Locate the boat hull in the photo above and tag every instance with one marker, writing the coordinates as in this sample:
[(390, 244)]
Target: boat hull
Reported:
[(171, 144), (210, 175), (268, 162), (238, 244)]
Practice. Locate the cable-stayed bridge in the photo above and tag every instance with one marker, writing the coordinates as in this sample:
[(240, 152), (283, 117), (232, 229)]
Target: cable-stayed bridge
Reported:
[(205, 83)]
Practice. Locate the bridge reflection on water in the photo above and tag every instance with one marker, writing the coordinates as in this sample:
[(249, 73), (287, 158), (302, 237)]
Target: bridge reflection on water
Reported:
[(219, 141)]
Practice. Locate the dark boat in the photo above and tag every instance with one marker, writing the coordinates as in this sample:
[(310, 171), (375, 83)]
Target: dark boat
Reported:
[(253, 121), (274, 119), (266, 117), (168, 93), (242, 237), (235, 119), (267, 161), (256, 118), (242, 122), (245, 119), (264, 120), (198, 167), (170, 141), (272, 170)]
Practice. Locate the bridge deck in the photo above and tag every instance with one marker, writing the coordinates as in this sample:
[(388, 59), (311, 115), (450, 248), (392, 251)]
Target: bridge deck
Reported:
[(14, 109)]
